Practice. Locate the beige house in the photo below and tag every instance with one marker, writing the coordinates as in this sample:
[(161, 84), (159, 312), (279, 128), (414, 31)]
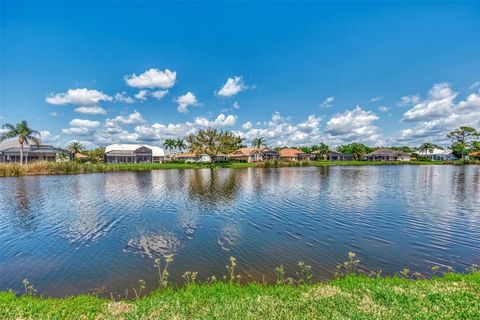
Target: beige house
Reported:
[(291, 154), (254, 154), (247, 155)]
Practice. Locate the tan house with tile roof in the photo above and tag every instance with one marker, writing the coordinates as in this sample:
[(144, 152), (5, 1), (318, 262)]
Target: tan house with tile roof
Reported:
[(254, 154)]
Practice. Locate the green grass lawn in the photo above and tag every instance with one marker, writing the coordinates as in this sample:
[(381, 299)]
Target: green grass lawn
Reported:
[(452, 296)]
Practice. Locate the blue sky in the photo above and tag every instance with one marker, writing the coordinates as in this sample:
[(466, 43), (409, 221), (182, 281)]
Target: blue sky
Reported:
[(295, 73)]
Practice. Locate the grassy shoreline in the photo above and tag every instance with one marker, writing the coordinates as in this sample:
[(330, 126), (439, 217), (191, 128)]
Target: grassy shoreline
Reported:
[(451, 296), (72, 167)]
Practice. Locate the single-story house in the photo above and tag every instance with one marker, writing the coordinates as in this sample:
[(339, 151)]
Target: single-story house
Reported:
[(10, 152), (436, 154), (246, 155), (291, 154), (190, 157), (387, 155), (254, 154), (158, 154), (269, 154), (79, 156), (128, 153), (338, 156), (333, 156), (474, 155), (134, 153)]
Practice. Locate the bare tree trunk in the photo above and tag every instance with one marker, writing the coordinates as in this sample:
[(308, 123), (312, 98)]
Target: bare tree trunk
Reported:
[(21, 154)]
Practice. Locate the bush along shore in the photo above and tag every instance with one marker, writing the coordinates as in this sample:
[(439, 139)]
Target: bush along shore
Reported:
[(74, 167), (353, 294)]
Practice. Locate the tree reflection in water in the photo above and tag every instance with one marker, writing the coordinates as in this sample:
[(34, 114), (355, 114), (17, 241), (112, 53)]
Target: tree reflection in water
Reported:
[(213, 186), (24, 217)]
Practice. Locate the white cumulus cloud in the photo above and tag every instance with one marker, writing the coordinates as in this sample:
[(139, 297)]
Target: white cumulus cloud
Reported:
[(84, 123), (95, 110), (78, 131), (439, 102), (438, 114), (122, 97), (354, 126), (152, 78), (81, 97), (232, 87), (141, 95), (247, 125), (133, 118), (186, 100), (159, 94), (219, 122)]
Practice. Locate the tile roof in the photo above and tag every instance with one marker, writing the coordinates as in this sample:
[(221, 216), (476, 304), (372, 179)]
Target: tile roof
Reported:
[(289, 152), (245, 151)]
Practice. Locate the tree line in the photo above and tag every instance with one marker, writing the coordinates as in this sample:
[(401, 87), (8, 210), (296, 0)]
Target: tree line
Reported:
[(213, 142)]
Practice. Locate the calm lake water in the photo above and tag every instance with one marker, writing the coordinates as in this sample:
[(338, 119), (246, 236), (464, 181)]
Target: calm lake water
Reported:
[(72, 234)]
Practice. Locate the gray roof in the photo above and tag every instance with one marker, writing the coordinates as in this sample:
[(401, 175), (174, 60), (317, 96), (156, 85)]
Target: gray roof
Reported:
[(339, 153), (386, 152), (34, 149), (14, 146)]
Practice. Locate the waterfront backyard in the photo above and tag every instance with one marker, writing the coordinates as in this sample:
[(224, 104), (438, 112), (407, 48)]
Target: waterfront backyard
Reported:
[(102, 232), (452, 296)]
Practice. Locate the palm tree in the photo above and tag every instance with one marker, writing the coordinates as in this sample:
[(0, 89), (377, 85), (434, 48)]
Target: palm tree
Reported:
[(258, 142), (24, 133), (75, 147), (170, 144), (425, 147), (180, 144), (323, 150)]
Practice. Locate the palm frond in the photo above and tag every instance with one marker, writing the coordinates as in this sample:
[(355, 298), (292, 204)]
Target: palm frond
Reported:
[(33, 139), (8, 135), (8, 126)]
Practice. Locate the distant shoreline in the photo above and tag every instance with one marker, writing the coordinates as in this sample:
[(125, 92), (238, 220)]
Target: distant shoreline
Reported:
[(72, 167)]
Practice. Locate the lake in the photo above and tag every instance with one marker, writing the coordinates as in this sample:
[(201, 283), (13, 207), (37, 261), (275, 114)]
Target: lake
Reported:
[(77, 233)]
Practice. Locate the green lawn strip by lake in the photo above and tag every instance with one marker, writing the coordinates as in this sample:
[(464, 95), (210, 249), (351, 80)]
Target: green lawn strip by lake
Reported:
[(452, 296), (71, 167)]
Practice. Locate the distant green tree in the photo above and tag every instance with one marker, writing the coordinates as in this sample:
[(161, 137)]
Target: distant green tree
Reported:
[(462, 138), (405, 149), (475, 146), (306, 149), (24, 133), (230, 142), (357, 150), (212, 142), (95, 155)]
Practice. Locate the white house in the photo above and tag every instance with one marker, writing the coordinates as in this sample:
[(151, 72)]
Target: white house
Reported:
[(436, 154), (158, 154)]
